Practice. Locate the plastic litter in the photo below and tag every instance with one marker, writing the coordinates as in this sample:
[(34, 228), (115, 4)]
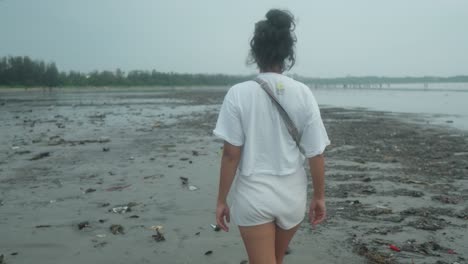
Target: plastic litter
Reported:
[(394, 248), (216, 228), (193, 188), (158, 236), (121, 209)]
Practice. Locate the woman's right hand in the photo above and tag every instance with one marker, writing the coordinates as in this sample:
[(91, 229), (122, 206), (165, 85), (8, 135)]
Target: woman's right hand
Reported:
[(317, 211), (222, 213)]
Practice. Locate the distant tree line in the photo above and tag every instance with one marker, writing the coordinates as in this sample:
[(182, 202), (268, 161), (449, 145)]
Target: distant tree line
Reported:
[(25, 72)]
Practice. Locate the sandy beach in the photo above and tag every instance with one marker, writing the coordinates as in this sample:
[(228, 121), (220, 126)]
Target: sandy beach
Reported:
[(86, 176)]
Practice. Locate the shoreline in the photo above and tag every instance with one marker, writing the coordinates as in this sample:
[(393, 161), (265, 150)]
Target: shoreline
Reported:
[(390, 181)]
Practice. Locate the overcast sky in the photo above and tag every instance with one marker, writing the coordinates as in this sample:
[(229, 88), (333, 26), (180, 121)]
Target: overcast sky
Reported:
[(335, 38)]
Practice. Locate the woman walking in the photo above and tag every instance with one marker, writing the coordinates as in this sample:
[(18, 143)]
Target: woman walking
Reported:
[(262, 147)]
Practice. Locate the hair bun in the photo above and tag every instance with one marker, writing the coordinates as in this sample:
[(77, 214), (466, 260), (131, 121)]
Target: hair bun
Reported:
[(280, 19)]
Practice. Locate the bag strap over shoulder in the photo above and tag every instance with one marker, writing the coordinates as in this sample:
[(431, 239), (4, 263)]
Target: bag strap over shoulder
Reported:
[(292, 129)]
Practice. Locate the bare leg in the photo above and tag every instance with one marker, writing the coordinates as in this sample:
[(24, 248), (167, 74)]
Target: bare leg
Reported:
[(259, 242), (283, 237)]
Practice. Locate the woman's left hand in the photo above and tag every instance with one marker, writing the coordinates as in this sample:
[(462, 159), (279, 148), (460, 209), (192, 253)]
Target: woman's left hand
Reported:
[(222, 213)]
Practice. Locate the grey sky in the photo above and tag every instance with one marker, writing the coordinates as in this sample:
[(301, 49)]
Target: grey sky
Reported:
[(335, 38)]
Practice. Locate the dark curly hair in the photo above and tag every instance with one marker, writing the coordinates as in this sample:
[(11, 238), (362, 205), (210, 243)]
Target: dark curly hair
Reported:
[(273, 41)]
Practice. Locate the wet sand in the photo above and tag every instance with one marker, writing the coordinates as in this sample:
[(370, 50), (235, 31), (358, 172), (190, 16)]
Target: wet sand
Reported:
[(68, 158)]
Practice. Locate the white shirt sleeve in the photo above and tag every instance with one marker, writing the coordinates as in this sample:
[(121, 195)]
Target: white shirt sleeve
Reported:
[(229, 125), (314, 137)]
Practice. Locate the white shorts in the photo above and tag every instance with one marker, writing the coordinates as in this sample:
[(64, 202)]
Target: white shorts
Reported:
[(260, 199)]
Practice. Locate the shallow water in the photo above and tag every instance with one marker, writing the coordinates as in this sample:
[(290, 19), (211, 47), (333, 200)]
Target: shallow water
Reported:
[(444, 104)]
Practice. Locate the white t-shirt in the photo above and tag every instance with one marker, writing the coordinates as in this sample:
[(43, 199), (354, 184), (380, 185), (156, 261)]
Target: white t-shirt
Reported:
[(248, 118)]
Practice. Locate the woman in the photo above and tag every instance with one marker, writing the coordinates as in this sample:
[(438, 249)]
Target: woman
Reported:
[(270, 191)]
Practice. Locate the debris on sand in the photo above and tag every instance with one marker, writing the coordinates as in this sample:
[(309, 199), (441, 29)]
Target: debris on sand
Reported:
[(121, 209), (378, 211), (83, 224), (195, 153), (430, 248), (43, 226), (184, 180), (193, 188), (118, 188), (372, 255), (106, 149), (100, 244), (429, 223), (57, 140), (448, 199), (216, 228), (394, 248), (209, 252), (90, 190), (159, 235), (117, 229), (104, 204), (40, 156)]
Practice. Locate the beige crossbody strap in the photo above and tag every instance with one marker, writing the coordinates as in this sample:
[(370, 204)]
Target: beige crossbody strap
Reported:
[(292, 129)]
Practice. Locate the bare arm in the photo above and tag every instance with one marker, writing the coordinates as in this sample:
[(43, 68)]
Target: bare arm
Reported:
[(317, 210), (229, 163), (317, 170)]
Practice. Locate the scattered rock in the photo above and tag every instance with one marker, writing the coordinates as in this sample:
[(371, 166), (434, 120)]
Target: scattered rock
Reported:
[(105, 149), (184, 180), (43, 226), (118, 188), (373, 255), (83, 224), (159, 235), (117, 229), (90, 190), (40, 156), (378, 211), (427, 248), (448, 199), (209, 252), (100, 244), (431, 223)]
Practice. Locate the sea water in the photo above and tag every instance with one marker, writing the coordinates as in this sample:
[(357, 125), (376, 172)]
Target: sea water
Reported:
[(441, 103)]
